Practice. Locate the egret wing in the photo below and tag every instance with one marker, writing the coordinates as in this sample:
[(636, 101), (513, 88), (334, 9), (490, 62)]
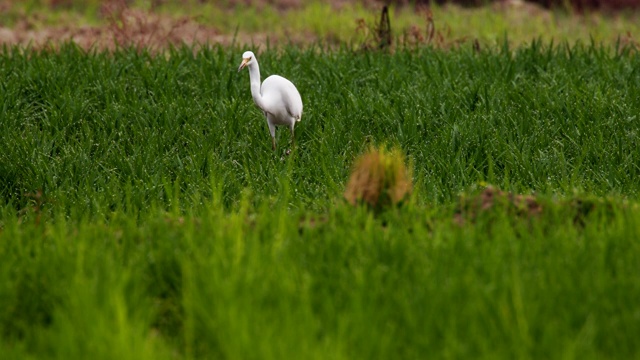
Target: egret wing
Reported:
[(287, 92)]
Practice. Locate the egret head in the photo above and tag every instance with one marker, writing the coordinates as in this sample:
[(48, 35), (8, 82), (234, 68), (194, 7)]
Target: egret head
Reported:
[(247, 58)]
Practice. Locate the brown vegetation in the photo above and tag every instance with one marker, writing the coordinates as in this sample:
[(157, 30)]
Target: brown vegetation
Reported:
[(125, 27), (577, 5), (379, 179), (518, 205)]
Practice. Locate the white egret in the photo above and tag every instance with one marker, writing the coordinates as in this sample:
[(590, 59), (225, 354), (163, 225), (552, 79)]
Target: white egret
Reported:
[(277, 97)]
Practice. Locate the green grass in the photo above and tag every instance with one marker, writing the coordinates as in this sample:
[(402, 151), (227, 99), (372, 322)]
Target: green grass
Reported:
[(261, 283), (167, 228), (97, 132)]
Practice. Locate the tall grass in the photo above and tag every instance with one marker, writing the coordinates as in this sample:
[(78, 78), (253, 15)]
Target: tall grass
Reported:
[(263, 282), (144, 214), (98, 132)]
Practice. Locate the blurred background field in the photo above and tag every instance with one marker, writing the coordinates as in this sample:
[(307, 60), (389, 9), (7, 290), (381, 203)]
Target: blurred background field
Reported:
[(161, 23)]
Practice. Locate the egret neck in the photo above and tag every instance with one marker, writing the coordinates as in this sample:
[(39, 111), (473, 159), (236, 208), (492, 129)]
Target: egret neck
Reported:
[(254, 78)]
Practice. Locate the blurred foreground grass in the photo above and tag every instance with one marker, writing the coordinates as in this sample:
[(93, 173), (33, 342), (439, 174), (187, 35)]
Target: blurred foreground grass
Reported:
[(264, 282)]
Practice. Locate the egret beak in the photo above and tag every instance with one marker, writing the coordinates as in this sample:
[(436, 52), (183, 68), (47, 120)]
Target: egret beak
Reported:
[(244, 63)]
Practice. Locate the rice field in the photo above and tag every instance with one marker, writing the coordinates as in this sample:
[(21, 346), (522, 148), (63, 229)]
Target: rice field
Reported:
[(144, 215)]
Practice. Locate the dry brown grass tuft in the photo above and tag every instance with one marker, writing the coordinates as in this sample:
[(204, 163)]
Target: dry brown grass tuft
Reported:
[(379, 179)]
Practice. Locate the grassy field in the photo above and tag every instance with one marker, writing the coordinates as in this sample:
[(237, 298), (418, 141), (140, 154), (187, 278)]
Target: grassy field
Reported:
[(144, 214)]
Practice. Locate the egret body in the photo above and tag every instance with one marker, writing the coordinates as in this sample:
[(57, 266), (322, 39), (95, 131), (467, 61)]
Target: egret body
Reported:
[(277, 97)]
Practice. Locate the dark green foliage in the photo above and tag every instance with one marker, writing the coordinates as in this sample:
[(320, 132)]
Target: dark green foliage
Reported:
[(99, 132)]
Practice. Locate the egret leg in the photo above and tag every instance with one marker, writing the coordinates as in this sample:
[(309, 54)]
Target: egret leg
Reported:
[(293, 133), (272, 131)]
